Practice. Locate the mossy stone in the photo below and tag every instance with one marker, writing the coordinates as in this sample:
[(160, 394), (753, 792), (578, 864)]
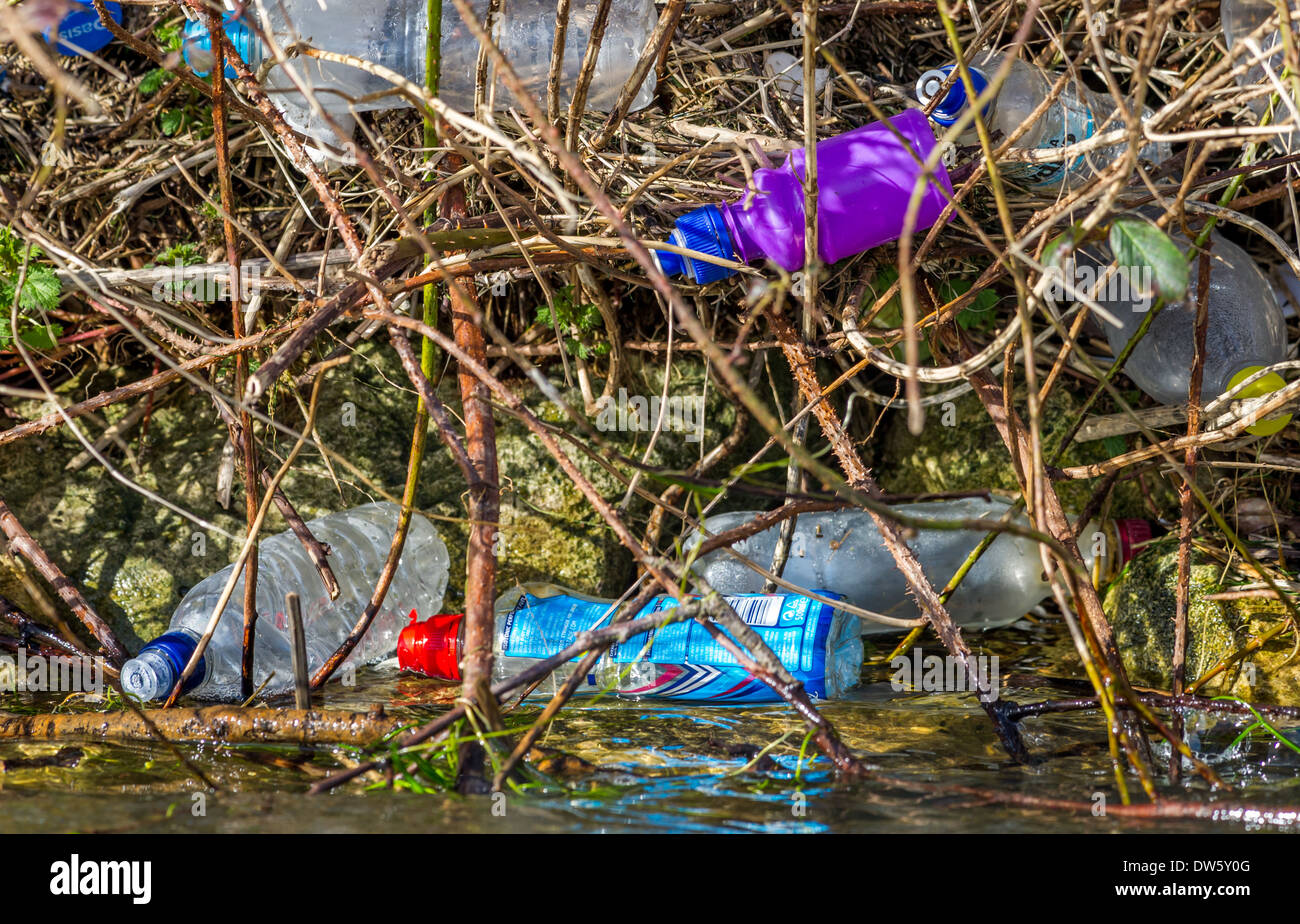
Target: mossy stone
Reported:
[(1141, 604), (960, 450), (135, 559)]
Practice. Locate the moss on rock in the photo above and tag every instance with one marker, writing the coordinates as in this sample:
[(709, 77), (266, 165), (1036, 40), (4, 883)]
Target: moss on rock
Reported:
[(1140, 605), (960, 450), (135, 559)]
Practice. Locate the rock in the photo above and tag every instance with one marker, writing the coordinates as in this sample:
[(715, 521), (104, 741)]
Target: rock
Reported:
[(960, 450), (1140, 605), (135, 559)]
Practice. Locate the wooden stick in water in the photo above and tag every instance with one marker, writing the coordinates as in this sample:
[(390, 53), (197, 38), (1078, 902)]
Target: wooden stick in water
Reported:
[(301, 680)]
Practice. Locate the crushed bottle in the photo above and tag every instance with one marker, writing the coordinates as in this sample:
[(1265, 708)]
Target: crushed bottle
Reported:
[(392, 33), (1245, 330), (844, 552), (1077, 115), (865, 179), (359, 540), (818, 643)]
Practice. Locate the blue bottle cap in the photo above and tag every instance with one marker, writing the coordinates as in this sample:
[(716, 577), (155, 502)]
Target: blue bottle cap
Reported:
[(954, 101), (196, 48), (81, 31), (703, 230), (178, 647)]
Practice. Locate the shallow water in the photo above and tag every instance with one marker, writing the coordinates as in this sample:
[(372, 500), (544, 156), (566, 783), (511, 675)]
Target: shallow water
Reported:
[(655, 766)]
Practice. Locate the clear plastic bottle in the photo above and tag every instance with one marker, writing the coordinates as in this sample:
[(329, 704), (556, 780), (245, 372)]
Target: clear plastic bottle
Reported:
[(1076, 116), (1246, 329), (843, 552), (359, 540), (1239, 19), (392, 33), (819, 644)]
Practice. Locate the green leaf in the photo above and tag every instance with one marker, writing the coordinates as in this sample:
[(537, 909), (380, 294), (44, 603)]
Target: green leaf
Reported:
[(11, 253), (1137, 242), (169, 35), (562, 313), (41, 337), (186, 253), (978, 314), (41, 289), (1060, 247), (153, 81), (891, 313), (171, 121)]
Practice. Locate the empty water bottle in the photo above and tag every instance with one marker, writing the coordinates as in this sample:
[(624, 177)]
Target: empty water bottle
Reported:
[(865, 179), (359, 540), (818, 643), (393, 33), (843, 552), (1239, 19), (1075, 116), (1245, 329)]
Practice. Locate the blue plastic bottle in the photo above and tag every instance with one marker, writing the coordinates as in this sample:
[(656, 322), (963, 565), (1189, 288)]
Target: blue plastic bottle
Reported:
[(818, 643)]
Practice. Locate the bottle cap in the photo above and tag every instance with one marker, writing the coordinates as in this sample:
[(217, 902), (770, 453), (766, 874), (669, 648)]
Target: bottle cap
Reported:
[(197, 45), (1264, 385), (152, 673), (81, 30), (431, 647), (954, 101), (703, 229)]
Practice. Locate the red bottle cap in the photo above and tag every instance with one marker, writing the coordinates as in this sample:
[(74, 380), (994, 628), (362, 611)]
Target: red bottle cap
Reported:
[(1132, 533), (431, 647)]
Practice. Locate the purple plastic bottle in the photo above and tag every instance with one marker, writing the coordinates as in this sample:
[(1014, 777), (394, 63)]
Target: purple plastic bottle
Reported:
[(865, 179)]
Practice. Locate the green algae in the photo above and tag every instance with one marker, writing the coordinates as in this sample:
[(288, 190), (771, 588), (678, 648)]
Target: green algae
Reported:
[(1141, 603)]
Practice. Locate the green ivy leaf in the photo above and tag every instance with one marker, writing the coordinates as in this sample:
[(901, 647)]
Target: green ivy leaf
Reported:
[(1138, 242)]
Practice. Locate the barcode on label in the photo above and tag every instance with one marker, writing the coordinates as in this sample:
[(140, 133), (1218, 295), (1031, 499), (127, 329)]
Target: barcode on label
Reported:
[(763, 610)]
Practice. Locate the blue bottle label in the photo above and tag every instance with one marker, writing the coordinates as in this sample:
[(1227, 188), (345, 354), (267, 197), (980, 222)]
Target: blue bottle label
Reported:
[(692, 664), (538, 627)]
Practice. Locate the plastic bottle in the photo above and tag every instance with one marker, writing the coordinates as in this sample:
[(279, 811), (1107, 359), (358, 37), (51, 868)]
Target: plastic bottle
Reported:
[(359, 540), (865, 179), (1246, 330), (1076, 116), (818, 644), (1239, 19), (393, 32), (843, 552)]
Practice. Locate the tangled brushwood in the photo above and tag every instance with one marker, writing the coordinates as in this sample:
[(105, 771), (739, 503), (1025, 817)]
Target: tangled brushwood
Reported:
[(499, 270)]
